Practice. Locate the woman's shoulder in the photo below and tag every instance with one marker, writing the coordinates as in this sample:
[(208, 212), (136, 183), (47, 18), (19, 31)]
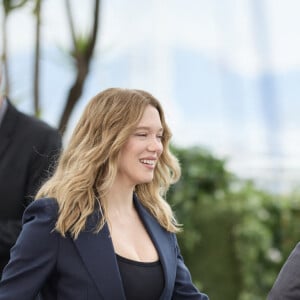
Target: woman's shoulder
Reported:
[(43, 208)]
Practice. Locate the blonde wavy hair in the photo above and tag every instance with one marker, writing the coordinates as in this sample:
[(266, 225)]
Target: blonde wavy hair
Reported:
[(87, 167)]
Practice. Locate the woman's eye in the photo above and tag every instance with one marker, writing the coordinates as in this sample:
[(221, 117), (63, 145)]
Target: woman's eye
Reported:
[(146, 135), (141, 134)]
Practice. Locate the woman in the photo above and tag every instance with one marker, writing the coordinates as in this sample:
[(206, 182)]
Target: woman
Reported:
[(100, 228)]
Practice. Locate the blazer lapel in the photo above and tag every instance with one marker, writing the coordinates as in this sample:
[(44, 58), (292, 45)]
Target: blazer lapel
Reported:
[(98, 255), (164, 245), (97, 252)]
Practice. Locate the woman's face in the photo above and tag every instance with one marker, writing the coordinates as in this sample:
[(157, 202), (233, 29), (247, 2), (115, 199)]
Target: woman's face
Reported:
[(139, 156)]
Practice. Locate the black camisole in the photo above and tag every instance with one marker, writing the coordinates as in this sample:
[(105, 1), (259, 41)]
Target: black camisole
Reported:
[(141, 280)]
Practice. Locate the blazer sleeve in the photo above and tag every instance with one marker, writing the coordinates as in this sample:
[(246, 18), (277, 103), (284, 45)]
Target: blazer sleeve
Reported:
[(33, 257), (184, 289), (287, 284)]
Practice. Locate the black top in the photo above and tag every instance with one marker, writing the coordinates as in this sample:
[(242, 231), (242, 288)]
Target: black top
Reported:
[(141, 280)]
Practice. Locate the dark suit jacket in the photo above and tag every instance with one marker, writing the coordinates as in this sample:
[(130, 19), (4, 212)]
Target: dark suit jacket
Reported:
[(85, 268), (27, 149), (287, 284)]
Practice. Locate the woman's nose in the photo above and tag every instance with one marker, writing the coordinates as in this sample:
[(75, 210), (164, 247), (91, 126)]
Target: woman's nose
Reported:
[(155, 145)]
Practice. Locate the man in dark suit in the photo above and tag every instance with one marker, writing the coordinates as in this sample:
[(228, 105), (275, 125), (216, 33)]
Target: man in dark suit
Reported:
[(28, 150), (287, 284)]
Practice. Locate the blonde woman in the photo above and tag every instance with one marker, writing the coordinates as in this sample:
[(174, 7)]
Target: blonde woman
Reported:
[(100, 227)]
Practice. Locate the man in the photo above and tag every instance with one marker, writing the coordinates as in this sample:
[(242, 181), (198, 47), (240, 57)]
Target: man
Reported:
[(287, 284), (28, 150)]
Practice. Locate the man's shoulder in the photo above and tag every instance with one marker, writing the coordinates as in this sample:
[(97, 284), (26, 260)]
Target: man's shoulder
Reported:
[(34, 124), (28, 122)]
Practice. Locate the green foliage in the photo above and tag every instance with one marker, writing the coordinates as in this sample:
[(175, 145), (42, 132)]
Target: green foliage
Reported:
[(236, 237)]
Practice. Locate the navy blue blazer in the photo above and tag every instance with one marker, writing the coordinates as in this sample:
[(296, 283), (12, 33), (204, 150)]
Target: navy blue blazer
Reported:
[(86, 268)]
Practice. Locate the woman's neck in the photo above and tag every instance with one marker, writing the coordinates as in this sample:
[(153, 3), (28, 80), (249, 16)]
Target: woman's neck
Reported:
[(119, 200)]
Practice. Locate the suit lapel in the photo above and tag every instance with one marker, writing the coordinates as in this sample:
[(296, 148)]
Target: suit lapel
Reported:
[(164, 245), (7, 127), (97, 252), (4, 142)]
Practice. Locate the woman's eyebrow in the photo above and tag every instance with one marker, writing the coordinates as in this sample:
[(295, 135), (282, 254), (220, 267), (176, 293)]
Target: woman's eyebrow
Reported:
[(160, 129)]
